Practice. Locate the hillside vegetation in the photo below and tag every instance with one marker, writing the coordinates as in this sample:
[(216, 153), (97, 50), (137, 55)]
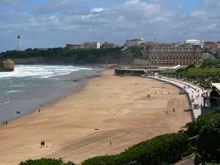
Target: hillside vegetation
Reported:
[(203, 75), (62, 55)]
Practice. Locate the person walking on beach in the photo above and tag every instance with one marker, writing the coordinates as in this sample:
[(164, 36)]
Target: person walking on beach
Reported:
[(110, 142), (42, 143)]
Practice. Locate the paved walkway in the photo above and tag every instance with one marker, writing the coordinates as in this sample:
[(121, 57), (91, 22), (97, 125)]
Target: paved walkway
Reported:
[(193, 91)]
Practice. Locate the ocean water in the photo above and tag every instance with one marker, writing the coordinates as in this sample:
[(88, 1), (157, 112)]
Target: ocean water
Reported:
[(29, 86)]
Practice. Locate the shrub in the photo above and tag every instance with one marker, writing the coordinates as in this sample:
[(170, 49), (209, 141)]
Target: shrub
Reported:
[(45, 161), (196, 126), (188, 152), (164, 149), (209, 140), (136, 52), (190, 66)]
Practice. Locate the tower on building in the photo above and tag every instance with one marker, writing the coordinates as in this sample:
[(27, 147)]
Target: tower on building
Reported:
[(19, 42)]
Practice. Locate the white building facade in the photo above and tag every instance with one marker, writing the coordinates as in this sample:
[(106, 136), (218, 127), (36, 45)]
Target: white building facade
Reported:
[(194, 42), (92, 45), (133, 42)]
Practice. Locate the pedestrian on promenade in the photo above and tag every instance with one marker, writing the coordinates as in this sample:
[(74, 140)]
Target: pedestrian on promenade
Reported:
[(214, 95)]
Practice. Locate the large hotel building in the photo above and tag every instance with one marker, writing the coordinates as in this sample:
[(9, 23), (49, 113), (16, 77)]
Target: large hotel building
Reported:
[(169, 55)]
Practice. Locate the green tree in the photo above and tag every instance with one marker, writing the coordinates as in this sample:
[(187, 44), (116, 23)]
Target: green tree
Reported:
[(45, 161), (209, 140)]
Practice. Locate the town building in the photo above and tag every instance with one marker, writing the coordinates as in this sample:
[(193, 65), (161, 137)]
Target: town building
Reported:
[(153, 43), (214, 47), (109, 45), (92, 45), (133, 42), (171, 55), (74, 46), (194, 42)]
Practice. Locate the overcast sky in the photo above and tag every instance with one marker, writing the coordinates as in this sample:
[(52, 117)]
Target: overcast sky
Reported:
[(53, 23)]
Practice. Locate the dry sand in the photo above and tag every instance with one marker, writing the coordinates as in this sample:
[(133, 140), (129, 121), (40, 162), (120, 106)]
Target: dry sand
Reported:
[(81, 125)]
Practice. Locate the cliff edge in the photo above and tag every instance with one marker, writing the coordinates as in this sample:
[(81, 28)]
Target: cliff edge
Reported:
[(7, 65)]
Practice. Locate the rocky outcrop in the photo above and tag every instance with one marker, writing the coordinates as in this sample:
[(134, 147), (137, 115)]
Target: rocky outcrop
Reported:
[(7, 65)]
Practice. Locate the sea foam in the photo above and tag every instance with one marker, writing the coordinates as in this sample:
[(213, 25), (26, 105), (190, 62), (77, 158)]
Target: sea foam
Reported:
[(41, 71)]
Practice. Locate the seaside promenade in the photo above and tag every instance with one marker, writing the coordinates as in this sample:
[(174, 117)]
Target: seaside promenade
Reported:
[(194, 93)]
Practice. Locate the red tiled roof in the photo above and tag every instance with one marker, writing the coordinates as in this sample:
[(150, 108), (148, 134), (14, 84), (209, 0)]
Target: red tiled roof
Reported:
[(108, 43), (213, 45)]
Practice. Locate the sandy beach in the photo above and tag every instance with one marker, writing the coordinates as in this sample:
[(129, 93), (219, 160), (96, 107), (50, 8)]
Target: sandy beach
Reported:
[(81, 125)]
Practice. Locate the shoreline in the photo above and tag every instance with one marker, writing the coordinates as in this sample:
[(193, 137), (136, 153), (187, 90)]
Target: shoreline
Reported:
[(105, 108), (77, 78)]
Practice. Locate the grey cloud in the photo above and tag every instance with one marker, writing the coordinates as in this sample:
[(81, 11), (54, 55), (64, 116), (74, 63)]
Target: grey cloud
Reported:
[(62, 6), (131, 19)]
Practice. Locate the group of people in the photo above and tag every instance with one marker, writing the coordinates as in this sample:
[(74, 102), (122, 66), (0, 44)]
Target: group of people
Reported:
[(5, 122), (166, 111)]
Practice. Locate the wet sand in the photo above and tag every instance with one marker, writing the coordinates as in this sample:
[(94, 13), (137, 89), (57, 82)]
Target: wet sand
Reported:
[(81, 125), (41, 91)]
